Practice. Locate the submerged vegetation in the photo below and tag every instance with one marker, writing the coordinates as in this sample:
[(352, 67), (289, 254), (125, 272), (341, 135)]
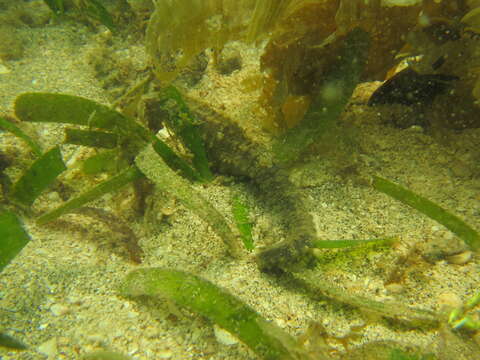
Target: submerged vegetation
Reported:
[(159, 136)]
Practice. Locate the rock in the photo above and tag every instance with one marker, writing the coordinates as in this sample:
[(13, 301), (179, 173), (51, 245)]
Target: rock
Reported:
[(448, 301), (461, 258), (394, 288), (224, 337), (165, 354), (49, 348), (4, 69), (59, 309)]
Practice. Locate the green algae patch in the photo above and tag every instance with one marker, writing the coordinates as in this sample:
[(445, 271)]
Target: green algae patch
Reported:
[(155, 169), (15, 130), (206, 299), (41, 174), (13, 237), (432, 210)]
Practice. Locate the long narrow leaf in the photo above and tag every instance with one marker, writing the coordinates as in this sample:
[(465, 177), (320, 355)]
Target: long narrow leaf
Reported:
[(61, 108), (183, 124), (155, 169), (56, 6), (41, 174), (15, 130), (98, 139), (315, 283), (97, 11), (337, 244), (432, 210), (13, 237), (105, 355), (10, 342), (244, 225), (112, 184), (201, 296), (174, 161), (105, 161)]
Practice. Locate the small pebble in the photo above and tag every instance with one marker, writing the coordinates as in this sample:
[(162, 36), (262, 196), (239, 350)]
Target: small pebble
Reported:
[(416, 128), (394, 288), (132, 314), (448, 235), (95, 338), (59, 309), (165, 354), (281, 323), (224, 337), (460, 259), (448, 301), (317, 253), (4, 69), (48, 348)]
